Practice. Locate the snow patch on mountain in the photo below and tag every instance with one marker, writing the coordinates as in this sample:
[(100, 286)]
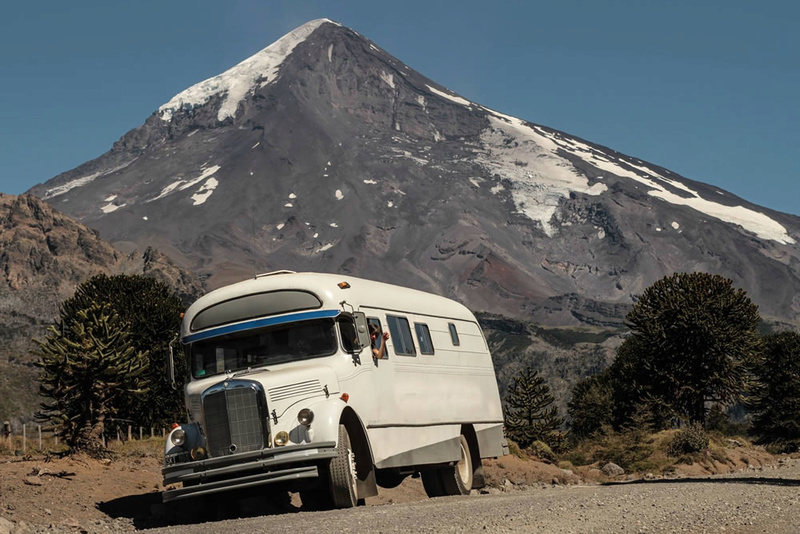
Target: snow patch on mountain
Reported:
[(388, 78), (181, 184), (83, 180), (540, 178), (452, 98), (205, 191), (235, 83), (752, 221), (108, 208)]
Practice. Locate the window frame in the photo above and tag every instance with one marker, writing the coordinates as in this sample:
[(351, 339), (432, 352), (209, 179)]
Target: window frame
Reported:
[(454, 334), (396, 334), (427, 337)]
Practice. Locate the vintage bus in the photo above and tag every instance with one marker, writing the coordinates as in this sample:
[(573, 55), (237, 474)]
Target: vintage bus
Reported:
[(284, 389)]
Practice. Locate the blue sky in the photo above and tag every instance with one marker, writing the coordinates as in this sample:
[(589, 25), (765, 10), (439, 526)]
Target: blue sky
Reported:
[(708, 89)]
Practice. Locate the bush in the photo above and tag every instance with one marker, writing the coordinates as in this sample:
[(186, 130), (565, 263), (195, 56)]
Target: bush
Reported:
[(688, 440), (542, 451)]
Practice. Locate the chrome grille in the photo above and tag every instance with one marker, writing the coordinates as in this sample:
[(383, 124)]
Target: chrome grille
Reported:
[(294, 390), (235, 418)]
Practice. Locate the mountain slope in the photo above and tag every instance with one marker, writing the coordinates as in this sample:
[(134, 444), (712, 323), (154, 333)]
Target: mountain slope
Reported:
[(44, 256), (323, 152)]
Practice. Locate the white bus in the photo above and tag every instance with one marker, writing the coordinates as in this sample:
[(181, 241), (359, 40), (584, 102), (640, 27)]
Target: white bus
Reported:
[(284, 389)]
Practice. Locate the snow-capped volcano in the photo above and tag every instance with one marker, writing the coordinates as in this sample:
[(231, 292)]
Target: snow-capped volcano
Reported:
[(234, 84), (324, 152)]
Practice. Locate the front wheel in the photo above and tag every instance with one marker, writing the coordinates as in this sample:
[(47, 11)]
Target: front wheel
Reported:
[(342, 473)]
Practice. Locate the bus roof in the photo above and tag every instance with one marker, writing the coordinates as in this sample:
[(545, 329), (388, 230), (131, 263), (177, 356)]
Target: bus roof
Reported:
[(332, 290)]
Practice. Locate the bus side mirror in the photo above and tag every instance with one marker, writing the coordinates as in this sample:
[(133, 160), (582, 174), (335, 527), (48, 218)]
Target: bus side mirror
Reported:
[(362, 330), (171, 364)]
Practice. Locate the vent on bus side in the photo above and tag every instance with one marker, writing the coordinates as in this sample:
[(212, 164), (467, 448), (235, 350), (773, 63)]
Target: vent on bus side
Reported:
[(309, 387), (195, 407)]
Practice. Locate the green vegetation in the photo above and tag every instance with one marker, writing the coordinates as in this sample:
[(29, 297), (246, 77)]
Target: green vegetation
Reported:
[(89, 371), (693, 340), (529, 411), (694, 355), (152, 314), (776, 396), (105, 359), (590, 406), (688, 440)]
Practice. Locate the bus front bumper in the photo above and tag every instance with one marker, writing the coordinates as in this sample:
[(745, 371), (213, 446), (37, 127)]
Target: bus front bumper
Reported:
[(246, 470)]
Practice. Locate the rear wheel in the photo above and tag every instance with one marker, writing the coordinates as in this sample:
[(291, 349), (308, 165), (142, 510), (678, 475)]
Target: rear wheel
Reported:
[(432, 482), (451, 479), (342, 473)]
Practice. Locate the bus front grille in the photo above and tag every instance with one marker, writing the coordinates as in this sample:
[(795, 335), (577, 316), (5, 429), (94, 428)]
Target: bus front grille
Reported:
[(235, 418)]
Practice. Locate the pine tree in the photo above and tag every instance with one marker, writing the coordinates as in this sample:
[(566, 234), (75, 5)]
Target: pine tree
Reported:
[(530, 414), (776, 397), (88, 372)]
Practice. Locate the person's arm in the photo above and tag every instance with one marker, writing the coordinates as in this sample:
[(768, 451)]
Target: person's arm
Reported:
[(380, 352)]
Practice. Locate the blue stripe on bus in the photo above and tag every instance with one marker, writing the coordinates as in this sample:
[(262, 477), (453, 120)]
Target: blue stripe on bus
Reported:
[(259, 323)]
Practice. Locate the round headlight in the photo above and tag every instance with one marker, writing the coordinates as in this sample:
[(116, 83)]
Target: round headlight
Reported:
[(281, 438), (178, 437), (198, 453), (305, 417)]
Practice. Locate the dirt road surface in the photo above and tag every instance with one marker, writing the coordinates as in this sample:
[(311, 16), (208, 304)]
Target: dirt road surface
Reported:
[(759, 500)]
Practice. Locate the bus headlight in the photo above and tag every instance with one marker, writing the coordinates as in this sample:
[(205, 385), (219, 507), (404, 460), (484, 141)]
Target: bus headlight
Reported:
[(305, 417), (198, 453), (178, 437), (281, 438)]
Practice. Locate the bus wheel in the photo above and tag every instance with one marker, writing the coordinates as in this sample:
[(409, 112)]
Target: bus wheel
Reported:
[(457, 479), (432, 482), (342, 473)]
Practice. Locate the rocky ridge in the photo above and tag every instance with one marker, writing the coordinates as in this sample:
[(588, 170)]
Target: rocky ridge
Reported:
[(44, 256)]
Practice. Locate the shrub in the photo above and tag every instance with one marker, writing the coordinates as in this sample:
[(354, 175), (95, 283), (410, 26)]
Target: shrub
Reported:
[(542, 451), (688, 440)]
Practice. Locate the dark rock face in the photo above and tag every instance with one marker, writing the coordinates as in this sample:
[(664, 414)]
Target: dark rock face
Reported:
[(337, 157)]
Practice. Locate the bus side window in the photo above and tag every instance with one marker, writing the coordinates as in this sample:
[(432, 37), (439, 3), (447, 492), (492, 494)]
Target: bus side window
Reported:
[(401, 338), (375, 343), (453, 334), (424, 337)]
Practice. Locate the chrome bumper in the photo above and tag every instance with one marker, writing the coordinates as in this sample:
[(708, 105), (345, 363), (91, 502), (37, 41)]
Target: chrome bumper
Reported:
[(239, 471)]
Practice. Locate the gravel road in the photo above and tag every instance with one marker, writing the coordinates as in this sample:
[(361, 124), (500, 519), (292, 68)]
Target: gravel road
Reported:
[(756, 500)]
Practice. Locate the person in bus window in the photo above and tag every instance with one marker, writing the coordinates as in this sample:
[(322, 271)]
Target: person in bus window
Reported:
[(378, 341)]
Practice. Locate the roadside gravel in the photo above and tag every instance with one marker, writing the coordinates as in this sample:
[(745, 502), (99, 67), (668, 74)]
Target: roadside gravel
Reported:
[(757, 500)]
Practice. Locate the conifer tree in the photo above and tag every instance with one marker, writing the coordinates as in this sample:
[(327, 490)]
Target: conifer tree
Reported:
[(529, 412), (776, 397), (88, 372), (693, 340), (591, 405), (152, 312)]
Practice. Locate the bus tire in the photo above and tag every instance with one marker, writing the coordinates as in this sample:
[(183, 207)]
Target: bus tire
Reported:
[(342, 473), (457, 479), (432, 482)]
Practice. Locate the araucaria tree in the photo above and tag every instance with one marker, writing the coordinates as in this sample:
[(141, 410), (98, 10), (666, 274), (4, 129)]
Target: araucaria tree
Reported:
[(693, 341), (88, 373), (529, 412), (776, 397), (152, 314)]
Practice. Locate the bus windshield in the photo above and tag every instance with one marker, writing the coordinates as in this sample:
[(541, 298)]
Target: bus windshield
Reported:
[(266, 346)]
